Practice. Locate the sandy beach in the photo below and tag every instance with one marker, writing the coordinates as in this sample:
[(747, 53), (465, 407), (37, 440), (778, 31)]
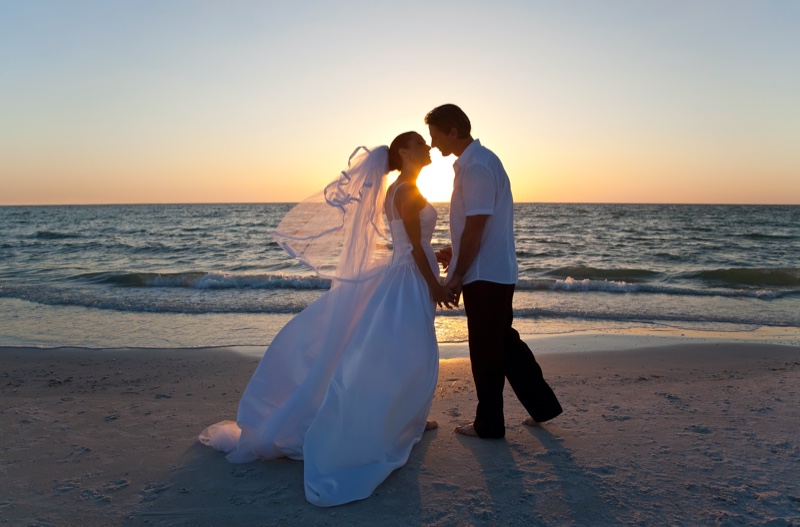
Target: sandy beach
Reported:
[(694, 433)]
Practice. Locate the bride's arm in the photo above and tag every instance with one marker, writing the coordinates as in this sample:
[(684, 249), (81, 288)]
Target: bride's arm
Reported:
[(409, 203)]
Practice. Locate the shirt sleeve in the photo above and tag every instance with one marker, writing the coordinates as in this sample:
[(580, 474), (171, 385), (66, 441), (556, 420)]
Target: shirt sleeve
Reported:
[(478, 189)]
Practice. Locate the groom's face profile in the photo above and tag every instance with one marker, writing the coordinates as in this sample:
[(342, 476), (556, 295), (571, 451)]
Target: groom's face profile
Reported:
[(441, 140)]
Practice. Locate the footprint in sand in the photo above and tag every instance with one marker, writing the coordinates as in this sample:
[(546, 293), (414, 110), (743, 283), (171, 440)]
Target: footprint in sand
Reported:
[(697, 429), (151, 490), (93, 494), (116, 485)]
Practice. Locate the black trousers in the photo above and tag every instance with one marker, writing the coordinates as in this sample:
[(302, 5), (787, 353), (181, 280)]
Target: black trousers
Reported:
[(497, 353)]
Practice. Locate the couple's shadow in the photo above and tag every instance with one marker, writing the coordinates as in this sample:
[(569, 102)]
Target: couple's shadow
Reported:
[(205, 489), (537, 484), (530, 478)]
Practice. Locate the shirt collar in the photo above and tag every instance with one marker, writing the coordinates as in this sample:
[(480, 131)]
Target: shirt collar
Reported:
[(463, 159)]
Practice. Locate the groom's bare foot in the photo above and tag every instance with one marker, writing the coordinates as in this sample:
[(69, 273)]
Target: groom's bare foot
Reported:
[(466, 430), (530, 422), (431, 425)]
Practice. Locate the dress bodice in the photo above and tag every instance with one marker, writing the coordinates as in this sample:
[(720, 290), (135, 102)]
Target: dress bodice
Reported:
[(401, 253)]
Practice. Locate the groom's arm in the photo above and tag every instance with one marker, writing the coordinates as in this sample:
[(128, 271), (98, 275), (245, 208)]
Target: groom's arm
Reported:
[(468, 249), (478, 193)]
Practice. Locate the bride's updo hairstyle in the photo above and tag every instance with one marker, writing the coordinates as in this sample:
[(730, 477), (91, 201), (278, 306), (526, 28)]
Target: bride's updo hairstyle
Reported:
[(401, 141)]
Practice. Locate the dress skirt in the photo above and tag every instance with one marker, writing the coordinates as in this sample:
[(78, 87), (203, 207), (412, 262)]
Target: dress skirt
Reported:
[(345, 386)]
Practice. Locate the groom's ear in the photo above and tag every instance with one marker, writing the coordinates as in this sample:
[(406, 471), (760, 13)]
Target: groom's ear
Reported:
[(453, 133)]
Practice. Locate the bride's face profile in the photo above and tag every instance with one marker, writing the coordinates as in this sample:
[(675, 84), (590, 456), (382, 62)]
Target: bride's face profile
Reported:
[(417, 153)]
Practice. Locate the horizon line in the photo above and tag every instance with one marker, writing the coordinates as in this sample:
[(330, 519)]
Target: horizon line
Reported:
[(139, 204)]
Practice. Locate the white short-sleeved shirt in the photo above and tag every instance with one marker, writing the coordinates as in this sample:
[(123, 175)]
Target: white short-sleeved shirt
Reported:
[(481, 186)]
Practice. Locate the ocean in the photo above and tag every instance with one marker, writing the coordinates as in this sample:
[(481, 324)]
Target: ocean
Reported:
[(210, 275)]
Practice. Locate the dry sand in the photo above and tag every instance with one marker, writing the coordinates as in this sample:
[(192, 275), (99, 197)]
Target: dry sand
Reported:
[(693, 434)]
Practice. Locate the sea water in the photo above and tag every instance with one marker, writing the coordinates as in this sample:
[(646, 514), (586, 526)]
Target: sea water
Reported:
[(211, 275)]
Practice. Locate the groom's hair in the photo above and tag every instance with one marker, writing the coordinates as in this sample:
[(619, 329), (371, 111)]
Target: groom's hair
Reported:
[(449, 116)]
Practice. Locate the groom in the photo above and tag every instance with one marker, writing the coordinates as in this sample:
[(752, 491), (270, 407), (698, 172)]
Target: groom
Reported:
[(485, 272)]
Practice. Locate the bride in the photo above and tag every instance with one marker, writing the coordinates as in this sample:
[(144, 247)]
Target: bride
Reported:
[(347, 384)]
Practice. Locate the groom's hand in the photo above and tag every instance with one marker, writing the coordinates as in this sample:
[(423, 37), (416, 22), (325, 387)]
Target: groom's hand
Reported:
[(455, 285)]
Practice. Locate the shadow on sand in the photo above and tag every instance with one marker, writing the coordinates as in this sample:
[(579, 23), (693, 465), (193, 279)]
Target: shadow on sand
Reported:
[(535, 486), (205, 490), (580, 490)]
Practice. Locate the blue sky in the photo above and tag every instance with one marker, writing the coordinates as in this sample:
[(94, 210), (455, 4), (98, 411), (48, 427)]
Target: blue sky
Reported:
[(614, 101)]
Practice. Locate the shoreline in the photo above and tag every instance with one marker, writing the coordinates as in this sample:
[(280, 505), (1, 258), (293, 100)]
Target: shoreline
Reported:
[(588, 341), (30, 324), (679, 434)]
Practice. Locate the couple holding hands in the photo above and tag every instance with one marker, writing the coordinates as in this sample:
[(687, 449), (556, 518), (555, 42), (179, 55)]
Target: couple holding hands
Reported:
[(347, 384)]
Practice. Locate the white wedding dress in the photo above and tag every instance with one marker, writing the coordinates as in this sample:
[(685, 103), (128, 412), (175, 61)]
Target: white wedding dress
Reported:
[(347, 384)]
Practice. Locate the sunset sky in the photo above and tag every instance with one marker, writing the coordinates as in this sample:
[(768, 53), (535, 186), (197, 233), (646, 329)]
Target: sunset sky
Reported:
[(153, 101)]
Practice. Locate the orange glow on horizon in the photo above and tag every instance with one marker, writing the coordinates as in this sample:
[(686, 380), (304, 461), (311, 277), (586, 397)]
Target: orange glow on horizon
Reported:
[(435, 182)]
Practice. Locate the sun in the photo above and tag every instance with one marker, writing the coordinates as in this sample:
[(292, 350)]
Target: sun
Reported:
[(435, 182)]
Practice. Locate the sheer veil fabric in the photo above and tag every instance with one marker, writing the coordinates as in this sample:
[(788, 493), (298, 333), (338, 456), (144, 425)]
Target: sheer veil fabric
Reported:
[(340, 232), (347, 384)]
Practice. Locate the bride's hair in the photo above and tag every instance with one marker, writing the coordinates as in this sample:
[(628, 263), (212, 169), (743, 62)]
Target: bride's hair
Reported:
[(401, 141)]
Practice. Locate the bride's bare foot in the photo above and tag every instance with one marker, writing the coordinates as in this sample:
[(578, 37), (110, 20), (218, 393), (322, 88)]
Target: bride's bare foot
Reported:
[(466, 430), (431, 425), (530, 422)]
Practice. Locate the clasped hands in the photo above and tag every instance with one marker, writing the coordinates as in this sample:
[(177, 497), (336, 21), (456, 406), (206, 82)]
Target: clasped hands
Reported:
[(445, 297), (448, 294)]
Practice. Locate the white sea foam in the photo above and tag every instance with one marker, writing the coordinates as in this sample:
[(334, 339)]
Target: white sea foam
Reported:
[(645, 263)]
